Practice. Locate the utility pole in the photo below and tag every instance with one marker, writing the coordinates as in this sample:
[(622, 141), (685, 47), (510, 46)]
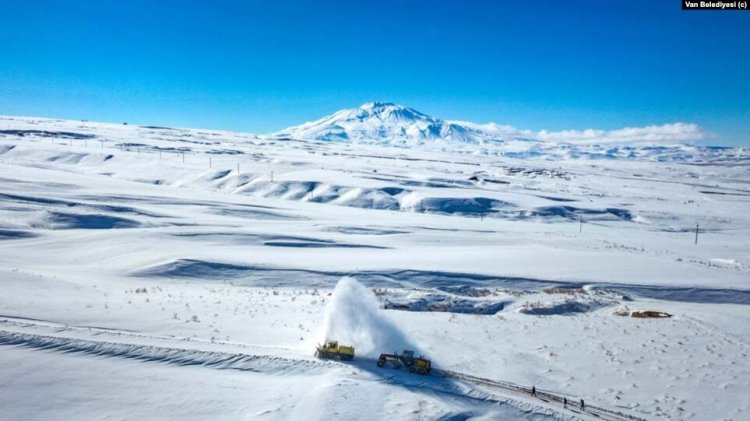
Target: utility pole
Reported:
[(183, 157), (580, 227), (697, 226), (210, 165), (238, 168)]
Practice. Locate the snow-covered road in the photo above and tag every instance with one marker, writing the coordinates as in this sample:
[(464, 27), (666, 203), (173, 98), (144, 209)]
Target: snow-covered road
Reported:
[(96, 342)]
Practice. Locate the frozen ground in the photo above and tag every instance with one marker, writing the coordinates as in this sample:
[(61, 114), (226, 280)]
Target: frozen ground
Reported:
[(188, 274)]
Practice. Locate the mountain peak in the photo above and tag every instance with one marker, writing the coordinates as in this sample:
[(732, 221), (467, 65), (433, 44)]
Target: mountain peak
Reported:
[(378, 104), (388, 111), (378, 122)]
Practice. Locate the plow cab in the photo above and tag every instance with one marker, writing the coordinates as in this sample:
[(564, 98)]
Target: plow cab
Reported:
[(332, 349)]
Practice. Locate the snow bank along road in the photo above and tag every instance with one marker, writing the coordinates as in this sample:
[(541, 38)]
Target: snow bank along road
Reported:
[(14, 333)]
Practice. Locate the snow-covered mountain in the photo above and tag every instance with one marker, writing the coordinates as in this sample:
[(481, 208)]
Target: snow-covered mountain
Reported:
[(383, 122), (389, 124)]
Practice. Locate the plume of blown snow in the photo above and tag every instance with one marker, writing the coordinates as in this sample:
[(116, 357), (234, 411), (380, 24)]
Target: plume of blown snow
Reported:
[(354, 316)]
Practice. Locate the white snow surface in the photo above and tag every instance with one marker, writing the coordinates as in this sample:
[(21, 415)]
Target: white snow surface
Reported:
[(169, 273)]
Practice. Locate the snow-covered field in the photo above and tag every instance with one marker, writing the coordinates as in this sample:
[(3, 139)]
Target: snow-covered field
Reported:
[(151, 272)]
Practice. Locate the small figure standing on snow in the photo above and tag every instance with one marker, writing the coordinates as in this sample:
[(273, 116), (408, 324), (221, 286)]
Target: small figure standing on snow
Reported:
[(583, 405), (533, 391), (565, 403)]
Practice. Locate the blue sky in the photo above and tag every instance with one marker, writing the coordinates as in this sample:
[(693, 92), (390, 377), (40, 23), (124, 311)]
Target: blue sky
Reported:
[(260, 66)]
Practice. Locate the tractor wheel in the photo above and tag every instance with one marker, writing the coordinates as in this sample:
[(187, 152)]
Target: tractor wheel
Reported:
[(381, 363), (422, 371), (413, 369)]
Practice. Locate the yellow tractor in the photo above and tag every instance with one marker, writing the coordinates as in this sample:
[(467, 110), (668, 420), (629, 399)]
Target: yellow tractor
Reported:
[(407, 359), (332, 349)]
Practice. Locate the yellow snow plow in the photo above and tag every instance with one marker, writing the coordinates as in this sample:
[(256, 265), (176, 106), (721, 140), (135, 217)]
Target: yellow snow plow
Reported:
[(418, 365), (332, 349)]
